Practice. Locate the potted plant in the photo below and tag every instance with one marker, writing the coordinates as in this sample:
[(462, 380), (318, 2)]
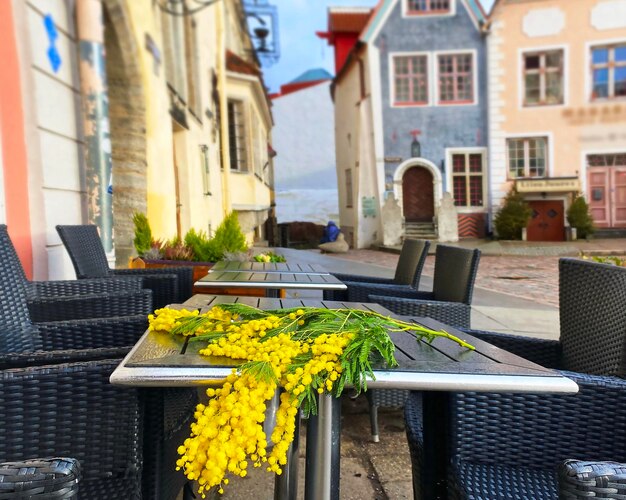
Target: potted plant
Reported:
[(197, 249)]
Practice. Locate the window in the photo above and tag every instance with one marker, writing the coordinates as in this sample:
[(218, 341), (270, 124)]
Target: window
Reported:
[(349, 200), (456, 78), (416, 7), (607, 160), (467, 179), (410, 77), (237, 136), (173, 27), (527, 157), (608, 71), (543, 78), (192, 60), (204, 166)]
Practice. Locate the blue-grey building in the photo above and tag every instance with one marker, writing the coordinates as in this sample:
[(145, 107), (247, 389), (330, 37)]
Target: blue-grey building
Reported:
[(427, 68)]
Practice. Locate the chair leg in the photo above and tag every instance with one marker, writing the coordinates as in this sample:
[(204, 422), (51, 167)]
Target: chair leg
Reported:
[(374, 422)]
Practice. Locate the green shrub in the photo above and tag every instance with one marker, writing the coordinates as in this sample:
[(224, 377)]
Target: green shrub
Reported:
[(143, 233), (579, 217), (203, 247), (229, 237), (512, 217)]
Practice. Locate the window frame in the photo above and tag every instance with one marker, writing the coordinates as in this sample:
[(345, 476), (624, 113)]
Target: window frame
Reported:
[(239, 145), (547, 156), (542, 52), (349, 182), (610, 65), (406, 12), (474, 80), (392, 79), (450, 152)]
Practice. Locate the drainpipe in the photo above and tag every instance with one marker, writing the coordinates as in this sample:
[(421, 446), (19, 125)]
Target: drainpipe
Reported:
[(93, 87)]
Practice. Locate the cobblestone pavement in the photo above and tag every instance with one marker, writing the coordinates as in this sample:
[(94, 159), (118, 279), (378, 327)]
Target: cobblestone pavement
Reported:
[(535, 278)]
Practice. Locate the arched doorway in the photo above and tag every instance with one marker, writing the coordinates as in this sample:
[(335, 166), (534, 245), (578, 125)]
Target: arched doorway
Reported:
[(418, 201), (127, 126)]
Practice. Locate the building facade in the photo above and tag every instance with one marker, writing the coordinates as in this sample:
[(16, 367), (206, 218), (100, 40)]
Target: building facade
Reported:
[(119, 106), (557, 94), (418, 73)]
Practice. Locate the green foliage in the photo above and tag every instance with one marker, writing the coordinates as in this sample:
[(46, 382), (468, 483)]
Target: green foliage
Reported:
[(611, 259), (512, 217), (269, 257), (579, 217), (229, 237), (204, 248), (143, 233)]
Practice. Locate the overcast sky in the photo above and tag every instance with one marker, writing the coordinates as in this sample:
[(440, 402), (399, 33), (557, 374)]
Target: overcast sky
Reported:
[(300, 48)]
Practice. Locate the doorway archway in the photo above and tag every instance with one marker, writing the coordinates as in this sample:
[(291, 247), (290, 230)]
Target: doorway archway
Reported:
[(417, 186)]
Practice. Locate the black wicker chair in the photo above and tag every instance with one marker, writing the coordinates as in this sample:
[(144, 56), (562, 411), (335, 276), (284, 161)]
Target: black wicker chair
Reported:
[(453, 287), (169, 411), (511, 445), (169, 285), (40, 479), (73, 299), (449, 302), (408, 272)]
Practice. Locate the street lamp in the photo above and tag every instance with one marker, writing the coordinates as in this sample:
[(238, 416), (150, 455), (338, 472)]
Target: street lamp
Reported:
[(416, 148)]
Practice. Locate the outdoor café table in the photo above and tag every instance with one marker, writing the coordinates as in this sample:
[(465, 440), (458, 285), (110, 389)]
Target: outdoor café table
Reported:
[(269, 267), (272, 282), (437, 368)]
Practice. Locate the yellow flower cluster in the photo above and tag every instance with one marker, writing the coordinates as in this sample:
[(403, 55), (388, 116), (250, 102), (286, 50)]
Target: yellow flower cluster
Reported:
[(228, 431)]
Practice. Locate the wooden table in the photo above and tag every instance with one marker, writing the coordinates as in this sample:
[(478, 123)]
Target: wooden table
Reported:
[(269, 267), (272, 281), (437, 368)]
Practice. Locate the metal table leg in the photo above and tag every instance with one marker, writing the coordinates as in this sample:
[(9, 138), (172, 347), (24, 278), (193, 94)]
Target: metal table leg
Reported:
[(323, 450), (286, 485), (436, 429)]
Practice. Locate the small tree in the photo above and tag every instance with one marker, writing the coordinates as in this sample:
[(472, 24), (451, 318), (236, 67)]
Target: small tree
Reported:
[(229, 237), (143, 233), (512, 217), (578, 216)]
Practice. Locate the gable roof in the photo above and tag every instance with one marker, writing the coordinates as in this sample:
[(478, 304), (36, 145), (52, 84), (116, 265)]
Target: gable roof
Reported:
[(312, 75), (384, 7)]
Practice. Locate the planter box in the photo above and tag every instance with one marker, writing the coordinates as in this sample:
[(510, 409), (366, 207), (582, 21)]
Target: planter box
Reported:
[(200, 270)]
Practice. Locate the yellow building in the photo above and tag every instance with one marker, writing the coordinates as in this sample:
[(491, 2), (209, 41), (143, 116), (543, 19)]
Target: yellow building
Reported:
[(132, 105), (557, 109)]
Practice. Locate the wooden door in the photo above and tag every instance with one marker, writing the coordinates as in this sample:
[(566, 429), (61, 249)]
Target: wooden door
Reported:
[(418, 200), (547, 222), (598, 195), (618, 196)]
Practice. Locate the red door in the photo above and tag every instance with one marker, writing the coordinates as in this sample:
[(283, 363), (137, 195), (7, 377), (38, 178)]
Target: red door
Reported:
[(606, 193), (417, 195), (547, 222)]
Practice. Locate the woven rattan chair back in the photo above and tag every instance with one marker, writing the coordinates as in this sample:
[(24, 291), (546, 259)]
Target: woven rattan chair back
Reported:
[(18, 333), (593, 317), (455, 273), (411, 262), (85, 249)]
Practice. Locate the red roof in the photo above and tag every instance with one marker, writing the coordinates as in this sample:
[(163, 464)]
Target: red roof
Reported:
[(347, 21), (240, 65)]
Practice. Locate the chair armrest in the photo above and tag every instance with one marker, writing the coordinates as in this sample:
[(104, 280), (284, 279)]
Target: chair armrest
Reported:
[(361, 278), (183, 273), (455, 314), (45, 289), (40, 478), (93, 333), (358, 292), (100, 305), (580, 479), (40, 358), (164, 286), (541, 351)]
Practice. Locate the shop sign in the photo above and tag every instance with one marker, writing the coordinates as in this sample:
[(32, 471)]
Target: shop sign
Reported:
[(547, 185)]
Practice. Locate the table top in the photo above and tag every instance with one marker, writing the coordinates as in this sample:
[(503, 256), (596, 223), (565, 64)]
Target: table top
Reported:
[(269, 267), (160, 360), (264, 279)]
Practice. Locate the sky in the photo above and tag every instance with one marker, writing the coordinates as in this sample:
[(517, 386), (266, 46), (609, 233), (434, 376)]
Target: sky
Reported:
[(301, 49)]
